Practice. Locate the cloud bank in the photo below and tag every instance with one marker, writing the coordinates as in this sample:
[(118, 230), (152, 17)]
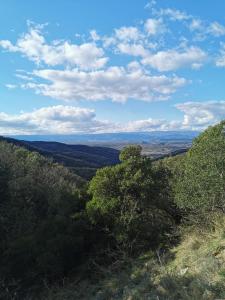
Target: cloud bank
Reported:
[(71, 120), (145, 62)]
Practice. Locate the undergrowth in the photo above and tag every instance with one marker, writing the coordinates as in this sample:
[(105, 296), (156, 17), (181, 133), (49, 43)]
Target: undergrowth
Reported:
[(193, 270)]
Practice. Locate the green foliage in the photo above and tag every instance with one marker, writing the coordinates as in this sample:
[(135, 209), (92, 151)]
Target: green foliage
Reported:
[(128, 203), (201, 188), (51, 227), (193, 270), (130, 152), (42, 220), (83, 160)]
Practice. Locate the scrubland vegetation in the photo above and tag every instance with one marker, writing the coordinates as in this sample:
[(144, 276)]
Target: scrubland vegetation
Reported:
[(137, 230)]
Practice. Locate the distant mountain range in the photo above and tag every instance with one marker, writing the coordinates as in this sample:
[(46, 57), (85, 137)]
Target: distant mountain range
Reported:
[(129, 137), (84, 160), (81, 159)]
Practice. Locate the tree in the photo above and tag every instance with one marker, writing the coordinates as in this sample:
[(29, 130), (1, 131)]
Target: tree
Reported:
[(126, 202), (43, 225), (201, 188)]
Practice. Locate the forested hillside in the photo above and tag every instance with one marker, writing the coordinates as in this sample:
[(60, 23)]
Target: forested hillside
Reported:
[(137, 230), (81, 159)]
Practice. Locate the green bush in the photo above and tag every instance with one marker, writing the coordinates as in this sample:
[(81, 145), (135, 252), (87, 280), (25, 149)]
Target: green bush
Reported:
[(201, 188), (128, 202), (43, 225)]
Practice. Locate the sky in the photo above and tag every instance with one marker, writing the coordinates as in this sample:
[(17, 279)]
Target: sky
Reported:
[(94, 66)]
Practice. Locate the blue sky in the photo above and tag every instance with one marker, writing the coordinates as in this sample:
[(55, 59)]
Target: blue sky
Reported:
[(94, 66)]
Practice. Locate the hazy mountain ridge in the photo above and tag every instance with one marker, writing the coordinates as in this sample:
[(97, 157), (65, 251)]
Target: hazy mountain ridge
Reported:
[(100, 150), (137, 137), (82, 159)]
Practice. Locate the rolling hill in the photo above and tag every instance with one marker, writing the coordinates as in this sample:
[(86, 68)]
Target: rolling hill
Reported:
[(111, 138), (81, 159), (100, 150)]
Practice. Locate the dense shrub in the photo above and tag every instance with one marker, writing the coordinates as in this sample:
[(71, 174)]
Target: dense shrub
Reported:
[(128, 202), (44, 231), (201, 188)]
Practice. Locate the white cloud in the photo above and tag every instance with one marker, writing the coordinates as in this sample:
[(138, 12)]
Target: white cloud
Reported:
[(115, 83), (150, 4), (216, 29), (154, 26), (71, 120), (203, 28), (146, 125), (24, 77), (132, 49), (134, 66), (108, 41), (82, 73), (95, 37), (166, 60), (170, 60), (127, 33), (199, 115), (7, 45), (56, 119), (174, 14), (33, 45), (11, 86), (220, 61), (68, 120), (196, 24)]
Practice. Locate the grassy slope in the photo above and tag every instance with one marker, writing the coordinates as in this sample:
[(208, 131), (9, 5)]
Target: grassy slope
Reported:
[(193, 270)]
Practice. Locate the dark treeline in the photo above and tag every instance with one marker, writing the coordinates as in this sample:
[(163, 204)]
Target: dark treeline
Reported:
[(43, 232), (54, 225)]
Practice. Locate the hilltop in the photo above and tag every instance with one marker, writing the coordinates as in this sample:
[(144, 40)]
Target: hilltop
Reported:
[(83, 160)]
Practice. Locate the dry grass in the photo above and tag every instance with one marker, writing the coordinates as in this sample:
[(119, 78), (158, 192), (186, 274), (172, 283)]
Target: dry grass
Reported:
[(194, 270)]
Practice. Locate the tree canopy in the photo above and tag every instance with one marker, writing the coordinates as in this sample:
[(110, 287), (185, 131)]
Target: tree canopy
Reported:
[(42, 235), (127, 202), (201, 187), (52, 223)]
